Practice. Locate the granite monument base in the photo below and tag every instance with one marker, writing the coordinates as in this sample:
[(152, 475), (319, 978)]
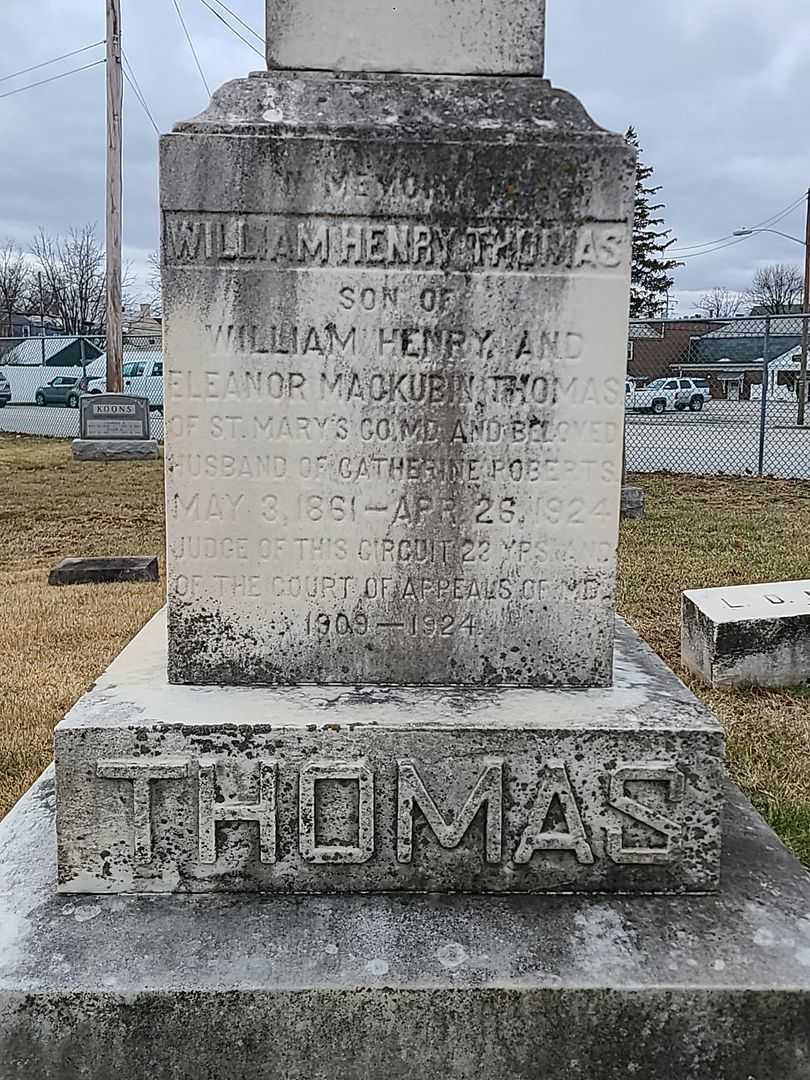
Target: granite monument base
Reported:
[(170, 788), (360, 988), (115, 449)]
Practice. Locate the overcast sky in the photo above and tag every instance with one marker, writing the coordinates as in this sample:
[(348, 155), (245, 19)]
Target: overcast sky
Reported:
[(717, 89)]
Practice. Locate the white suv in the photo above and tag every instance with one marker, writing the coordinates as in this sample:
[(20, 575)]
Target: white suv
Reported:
[(663, 394), (692, 394)]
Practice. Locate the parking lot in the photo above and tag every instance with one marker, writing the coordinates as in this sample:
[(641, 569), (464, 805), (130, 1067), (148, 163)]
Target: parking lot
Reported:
[(722, 439)]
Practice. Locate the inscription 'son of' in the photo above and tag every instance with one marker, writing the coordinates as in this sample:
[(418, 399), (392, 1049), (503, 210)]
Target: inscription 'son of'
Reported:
[(555, 818)]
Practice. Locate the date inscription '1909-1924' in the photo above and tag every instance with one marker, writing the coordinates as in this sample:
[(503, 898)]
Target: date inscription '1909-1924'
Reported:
[(555, 820)]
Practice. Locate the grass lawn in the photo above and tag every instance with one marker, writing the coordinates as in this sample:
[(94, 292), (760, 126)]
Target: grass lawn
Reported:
[(55, 642)]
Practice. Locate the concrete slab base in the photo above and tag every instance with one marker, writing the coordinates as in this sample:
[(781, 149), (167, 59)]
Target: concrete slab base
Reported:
[(171, 788), (105, 571), (115, 449), (443, 988)]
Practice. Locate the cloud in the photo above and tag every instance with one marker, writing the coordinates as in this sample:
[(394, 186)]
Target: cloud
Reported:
[(717, 90)]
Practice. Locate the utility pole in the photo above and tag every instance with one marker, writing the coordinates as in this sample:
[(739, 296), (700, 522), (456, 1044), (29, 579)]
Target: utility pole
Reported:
[(115, 100), (806, 310)]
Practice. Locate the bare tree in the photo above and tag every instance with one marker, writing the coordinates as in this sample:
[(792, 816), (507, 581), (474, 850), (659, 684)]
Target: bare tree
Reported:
[(153, 284), (14, 282), (720, 303), (777, 289), (73, 275)]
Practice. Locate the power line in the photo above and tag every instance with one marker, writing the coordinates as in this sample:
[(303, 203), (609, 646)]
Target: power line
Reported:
[(224, 22), (53, 78), (132, 79), (191, 46), (140, 100), (720, 247), (778, 217), (696, 249), (47, 63), (241, 22)]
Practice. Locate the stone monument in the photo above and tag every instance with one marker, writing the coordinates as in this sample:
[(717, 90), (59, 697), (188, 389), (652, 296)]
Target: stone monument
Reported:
[(114, 427), (396, 280)]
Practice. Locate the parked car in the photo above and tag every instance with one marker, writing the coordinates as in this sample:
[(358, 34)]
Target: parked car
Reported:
[(663, 394), (67, 389), (692, 394), (5, 391), (145, 377)]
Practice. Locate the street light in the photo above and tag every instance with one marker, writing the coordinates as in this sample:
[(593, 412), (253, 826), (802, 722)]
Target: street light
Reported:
[(802, 387), (753, 232)]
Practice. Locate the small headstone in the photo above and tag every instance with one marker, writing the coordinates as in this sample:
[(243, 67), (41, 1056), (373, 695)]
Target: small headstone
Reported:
[(105, 571), (748, 635), (114, 427), (632, 502)]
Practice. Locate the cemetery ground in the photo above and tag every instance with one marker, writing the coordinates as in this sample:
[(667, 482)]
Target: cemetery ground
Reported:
[(54, 642)]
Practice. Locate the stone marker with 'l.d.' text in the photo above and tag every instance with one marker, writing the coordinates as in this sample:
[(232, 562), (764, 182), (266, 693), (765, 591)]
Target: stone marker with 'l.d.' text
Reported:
[(748, 635)]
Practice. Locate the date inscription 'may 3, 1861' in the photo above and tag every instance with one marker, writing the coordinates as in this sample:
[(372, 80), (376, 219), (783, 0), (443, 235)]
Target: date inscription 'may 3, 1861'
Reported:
[(394, 449)]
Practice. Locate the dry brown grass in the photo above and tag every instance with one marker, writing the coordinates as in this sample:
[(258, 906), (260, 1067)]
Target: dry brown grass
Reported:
[(702, 532), (55, 642)]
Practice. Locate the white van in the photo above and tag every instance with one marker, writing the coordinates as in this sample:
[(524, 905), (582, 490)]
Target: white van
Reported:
[(145, 377), (142, 374)]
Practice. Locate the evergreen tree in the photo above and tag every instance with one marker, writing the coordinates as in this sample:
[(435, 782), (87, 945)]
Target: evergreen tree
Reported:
[(651, 279)]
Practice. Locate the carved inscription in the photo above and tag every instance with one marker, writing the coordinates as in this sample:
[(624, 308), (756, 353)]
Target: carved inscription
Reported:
[(664, 826), (553, 816), (142, 774), (284, 241), (318, 771), (569, 834), (487, 794), (213, 808), (396, 442)]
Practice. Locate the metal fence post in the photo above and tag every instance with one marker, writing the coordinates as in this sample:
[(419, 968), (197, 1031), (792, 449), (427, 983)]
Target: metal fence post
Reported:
[(763, 405)]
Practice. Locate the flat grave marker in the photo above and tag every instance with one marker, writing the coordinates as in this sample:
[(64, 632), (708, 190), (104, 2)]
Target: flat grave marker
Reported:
[(748, 635)]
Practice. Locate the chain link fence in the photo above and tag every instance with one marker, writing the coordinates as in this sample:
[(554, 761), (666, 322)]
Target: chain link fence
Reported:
[(43, 378), (718, 397), (702, 396)]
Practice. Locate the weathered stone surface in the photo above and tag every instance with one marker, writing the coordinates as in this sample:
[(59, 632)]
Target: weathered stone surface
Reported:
[(114, 416), (374, 988), (395, 344), (443, 36), (115, 449), (632, 502), (165, 787), (748, 635), (105, 571)]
